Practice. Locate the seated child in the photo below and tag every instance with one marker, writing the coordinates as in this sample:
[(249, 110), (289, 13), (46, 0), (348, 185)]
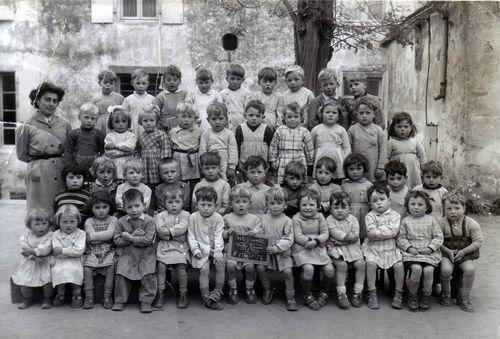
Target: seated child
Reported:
[(324, 185), (173, 249), (242, 222), (210, 168), (75, 192), (432, 176), (395, 172), (344, 247), (34, 269), (84, 144), (256, 170), (107, 97), (296, 92), (133, 171), (221, 140), (294, 183), (135, 240), (138, 100), (170, 173), (104, 171), (420, 239), (235, 96), (206, 244), (280, 227), (311, 234), (99, 257), (357, 83), (462, 240), (380, 250), (68, 245)]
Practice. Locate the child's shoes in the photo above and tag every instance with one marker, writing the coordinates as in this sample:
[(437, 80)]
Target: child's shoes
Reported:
[(342, 300), (397, 300), (311, 302), (423, 305), (76, 301), (58, 300), (267, 296), (232, 297), (413, 302), (322, 299), (251, 297), (445, 300), (118, 307), (24, 304), (212, 300), (373, 300), (291, 305), (357, 300), (183, 301), (146, 308), (107, 303), (46, 304), (88, 303), (160, 300), (464, 301)]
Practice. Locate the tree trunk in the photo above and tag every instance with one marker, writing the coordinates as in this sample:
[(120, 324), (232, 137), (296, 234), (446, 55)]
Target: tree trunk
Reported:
[(313, 31)]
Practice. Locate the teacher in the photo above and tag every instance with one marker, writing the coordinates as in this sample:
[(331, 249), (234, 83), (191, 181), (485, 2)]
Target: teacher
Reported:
[(40, 143)]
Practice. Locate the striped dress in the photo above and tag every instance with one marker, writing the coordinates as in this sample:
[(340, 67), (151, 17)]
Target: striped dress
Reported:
[(153, 147)]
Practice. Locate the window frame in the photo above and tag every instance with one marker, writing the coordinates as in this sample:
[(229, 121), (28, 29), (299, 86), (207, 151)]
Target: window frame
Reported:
[(370, 76), (139, 12), (10, 125), (155, 72)]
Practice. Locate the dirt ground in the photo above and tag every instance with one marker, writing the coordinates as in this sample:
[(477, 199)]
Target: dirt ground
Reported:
[(251, 321)]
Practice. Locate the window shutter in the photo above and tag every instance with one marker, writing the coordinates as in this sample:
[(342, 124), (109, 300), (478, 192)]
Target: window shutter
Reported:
[(172, 11), (102, 11)]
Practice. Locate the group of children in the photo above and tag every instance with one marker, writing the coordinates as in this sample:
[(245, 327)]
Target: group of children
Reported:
[(244, 162)]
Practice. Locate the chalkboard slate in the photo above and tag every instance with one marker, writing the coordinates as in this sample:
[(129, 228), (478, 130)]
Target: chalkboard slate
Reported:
[(251, 249)]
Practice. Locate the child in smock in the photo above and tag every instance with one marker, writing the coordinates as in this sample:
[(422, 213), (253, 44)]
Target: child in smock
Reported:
[(138, 100), (432, 176), (325, 170), (235, 96), (296, 92), (169, 98), (108, 97)]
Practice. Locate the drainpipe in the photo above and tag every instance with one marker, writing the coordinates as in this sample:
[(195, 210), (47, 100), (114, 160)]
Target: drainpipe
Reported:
[(442, 88)]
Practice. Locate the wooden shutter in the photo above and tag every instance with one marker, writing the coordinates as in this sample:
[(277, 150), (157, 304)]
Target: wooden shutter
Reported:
[(102, 11), (172, 11)]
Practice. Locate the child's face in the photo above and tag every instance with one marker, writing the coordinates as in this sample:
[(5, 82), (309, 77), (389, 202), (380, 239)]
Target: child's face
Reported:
[(39, 227), (105, 175), (107, 86), (234, 82), (87, 120), (174, 204), (204, 85), (210, 172), (402, 129), (217, 122), (149, 123), (68, 223), (292, 119), (206, 208), (169, 173), (186, 120), (140, 85), (396, 181), (417, 207), (355, 172), (340, 211), (453, 211), (256, 175), (275, 207), (293, 182), (253, 117), (100, 210), (328, 86), (120, 124), (431, 180), (294, 81), (171, 83), (357, 88), (133, 176), (365, 115), (134, 208), (379, 202), (330, 115), (267, 86), (308, 207), (240, 205), (74, 181), (323, 176)]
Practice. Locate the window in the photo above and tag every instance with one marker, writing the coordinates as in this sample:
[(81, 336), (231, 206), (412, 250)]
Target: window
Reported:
[(124, 84), (373, 85), (7, 108), (139, 9)]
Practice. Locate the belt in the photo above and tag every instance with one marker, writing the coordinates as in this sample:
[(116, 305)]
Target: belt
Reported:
[(46, 156)]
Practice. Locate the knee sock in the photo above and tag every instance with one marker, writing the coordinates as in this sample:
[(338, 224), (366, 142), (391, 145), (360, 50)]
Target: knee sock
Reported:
[(326, 284), (306, 287), (249, 284), (467, 282), (412, 286), (290, 293), (446, 286), (358, 288), (232, 284), (27, 292), (341, 289), (109, 282), (48, 291), (264, 279), (183, 279)]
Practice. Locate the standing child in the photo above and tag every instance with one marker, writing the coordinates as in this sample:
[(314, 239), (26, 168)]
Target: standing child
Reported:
[(462, 240), (357, 83), (330, 139), (369, 139), (273, 102), (133, 171), (185, 143), (210, 167), (173, 248), (242, 222), (280, 228), (296, 92), (256, 170), (119, 143), (293, 184), (356, 186), (206, 244), (99, 258), (34, 269), (170, 175), (68, 245), (203, 95), (84, 144), (395, 172), (432, 175), (75, 193), (135, 240), (138, 100), (380, 250), (104, 171), (291, 142), (324, 185), (107, 97), (235, 96), (403, 145), (309, 250), (420, 238), (344, 247), (170, 98), (221, 140)]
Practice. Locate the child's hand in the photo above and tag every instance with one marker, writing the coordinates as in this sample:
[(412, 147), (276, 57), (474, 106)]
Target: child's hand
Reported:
[(219, 262), (198, 255), (40, 260), (310, 244), (380, 174), (57, 250), (139, 232), (272, 250), (412, 251), (229, 231), (27, 252), (253, 233), (425, 251), (325, 206), (126, 236), (274, 165), (113, 153), (459, 255)]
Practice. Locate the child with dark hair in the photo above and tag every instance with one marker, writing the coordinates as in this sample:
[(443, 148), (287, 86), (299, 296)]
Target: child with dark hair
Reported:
[(395, 172), (432, 176), (104, 171), (136, 101), (273, 102), (357, 83), (108, 97), (133, 171), (235, 96), (293, 183), (324, 184), (256, 170), (170, 173), (75, 193)]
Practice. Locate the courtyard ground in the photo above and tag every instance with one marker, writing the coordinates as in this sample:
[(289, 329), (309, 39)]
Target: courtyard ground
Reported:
[(251, 321)]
